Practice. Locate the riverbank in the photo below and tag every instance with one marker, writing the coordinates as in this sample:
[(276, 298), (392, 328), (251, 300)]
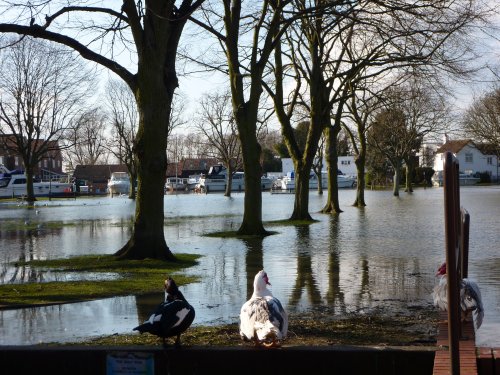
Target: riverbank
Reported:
[(418, 327)]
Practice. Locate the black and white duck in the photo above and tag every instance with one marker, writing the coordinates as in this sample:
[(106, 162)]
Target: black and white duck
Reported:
[(470, 297), (172, 317), (262, 318)]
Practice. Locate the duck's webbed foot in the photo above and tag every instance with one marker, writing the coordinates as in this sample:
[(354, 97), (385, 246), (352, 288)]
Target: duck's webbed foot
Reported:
[(177, 343)]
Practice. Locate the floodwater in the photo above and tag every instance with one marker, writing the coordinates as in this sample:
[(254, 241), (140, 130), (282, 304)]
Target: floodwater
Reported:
[(381, 258)]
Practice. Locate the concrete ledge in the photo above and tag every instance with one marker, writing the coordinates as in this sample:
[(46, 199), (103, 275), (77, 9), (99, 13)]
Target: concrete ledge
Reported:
[(75, 360)]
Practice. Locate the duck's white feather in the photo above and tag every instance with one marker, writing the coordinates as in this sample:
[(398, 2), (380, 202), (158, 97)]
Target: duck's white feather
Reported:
[(470, 299), (262, 317), (439, 294)]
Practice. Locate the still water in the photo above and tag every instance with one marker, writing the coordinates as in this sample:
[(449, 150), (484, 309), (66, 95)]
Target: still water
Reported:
[(381, 258)]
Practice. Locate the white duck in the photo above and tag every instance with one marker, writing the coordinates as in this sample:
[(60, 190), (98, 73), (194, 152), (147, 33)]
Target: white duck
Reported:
[(262, 318), (470, 297)]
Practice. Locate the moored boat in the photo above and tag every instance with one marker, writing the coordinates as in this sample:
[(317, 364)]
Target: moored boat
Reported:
[(463, 179), (343, 181), (13, 185), (176, 184), (119, 183), (216, 180)]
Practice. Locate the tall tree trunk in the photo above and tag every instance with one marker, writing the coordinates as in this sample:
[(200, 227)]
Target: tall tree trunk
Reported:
[(251, 150), (301, 203), (332, 205), (397, 178), (154, 99), (229, 181), (409, 173), (132, 179), (30, 192), (360, 162)]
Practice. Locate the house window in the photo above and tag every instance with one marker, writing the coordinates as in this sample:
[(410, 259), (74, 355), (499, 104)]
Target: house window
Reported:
[(345, 162), (468, 157), (489, 160)]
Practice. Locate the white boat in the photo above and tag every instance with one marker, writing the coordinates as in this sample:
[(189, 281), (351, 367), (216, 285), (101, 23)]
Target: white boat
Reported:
[(119, 183), (13, 185), (176, 184), (216, 180), (343, 181), (192, 182), (463, 179)]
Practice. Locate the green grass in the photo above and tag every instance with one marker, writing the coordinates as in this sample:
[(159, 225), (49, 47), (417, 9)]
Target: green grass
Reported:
[(134, 277)]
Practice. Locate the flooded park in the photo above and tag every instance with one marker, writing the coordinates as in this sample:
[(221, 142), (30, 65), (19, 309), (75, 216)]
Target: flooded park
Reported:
[(381, 258)]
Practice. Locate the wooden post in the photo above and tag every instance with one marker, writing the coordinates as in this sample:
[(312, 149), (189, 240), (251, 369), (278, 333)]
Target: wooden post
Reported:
[(451, 208)]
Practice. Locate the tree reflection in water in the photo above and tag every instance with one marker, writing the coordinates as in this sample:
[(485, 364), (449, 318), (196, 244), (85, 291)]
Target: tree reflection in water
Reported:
[(254, 260), (305, 280), (334, 294)]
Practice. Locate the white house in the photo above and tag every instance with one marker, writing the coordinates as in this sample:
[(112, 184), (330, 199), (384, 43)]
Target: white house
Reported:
[(472, 157), (345, 165)]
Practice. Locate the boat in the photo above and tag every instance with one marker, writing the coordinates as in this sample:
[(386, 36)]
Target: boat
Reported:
[(176, 184), (464, 179), (216, 180), (13, 185), (192, 182), (118, 183), (343, 181)]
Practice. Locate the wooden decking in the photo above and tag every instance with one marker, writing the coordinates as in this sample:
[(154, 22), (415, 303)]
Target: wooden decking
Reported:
[(468, 360), (473, 360)]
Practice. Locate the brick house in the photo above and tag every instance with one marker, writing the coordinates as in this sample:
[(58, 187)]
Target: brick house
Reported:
[(50, 164)]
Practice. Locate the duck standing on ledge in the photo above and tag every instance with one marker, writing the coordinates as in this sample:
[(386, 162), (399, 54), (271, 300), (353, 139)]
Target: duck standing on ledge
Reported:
[(172, 317), (262, 318), (470, 297)]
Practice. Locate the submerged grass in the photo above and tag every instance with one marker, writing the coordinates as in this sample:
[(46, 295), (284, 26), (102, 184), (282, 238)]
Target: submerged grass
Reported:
[(133, 277)]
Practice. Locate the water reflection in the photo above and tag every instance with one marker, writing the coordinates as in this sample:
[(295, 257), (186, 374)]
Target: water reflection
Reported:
[(305, 279), (254, 261), (335, 295), (382, 257)]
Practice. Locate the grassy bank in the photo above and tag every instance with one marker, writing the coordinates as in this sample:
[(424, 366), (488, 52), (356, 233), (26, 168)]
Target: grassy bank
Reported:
[(417, 329), (127, 278)]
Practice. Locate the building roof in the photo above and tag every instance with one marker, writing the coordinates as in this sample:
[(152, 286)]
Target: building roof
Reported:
[(97, 172), (487, 149), (454, 146), (190, 166)]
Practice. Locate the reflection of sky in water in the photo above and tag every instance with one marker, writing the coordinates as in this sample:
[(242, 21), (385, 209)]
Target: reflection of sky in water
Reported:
[(381, 257)]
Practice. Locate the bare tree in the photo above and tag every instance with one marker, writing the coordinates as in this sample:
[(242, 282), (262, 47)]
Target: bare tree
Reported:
[(86, 139), (482, 119), (409, 113), (149, 32), (361, 108), (247, 33), (42, 89), (217, 125), (124, 119)]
